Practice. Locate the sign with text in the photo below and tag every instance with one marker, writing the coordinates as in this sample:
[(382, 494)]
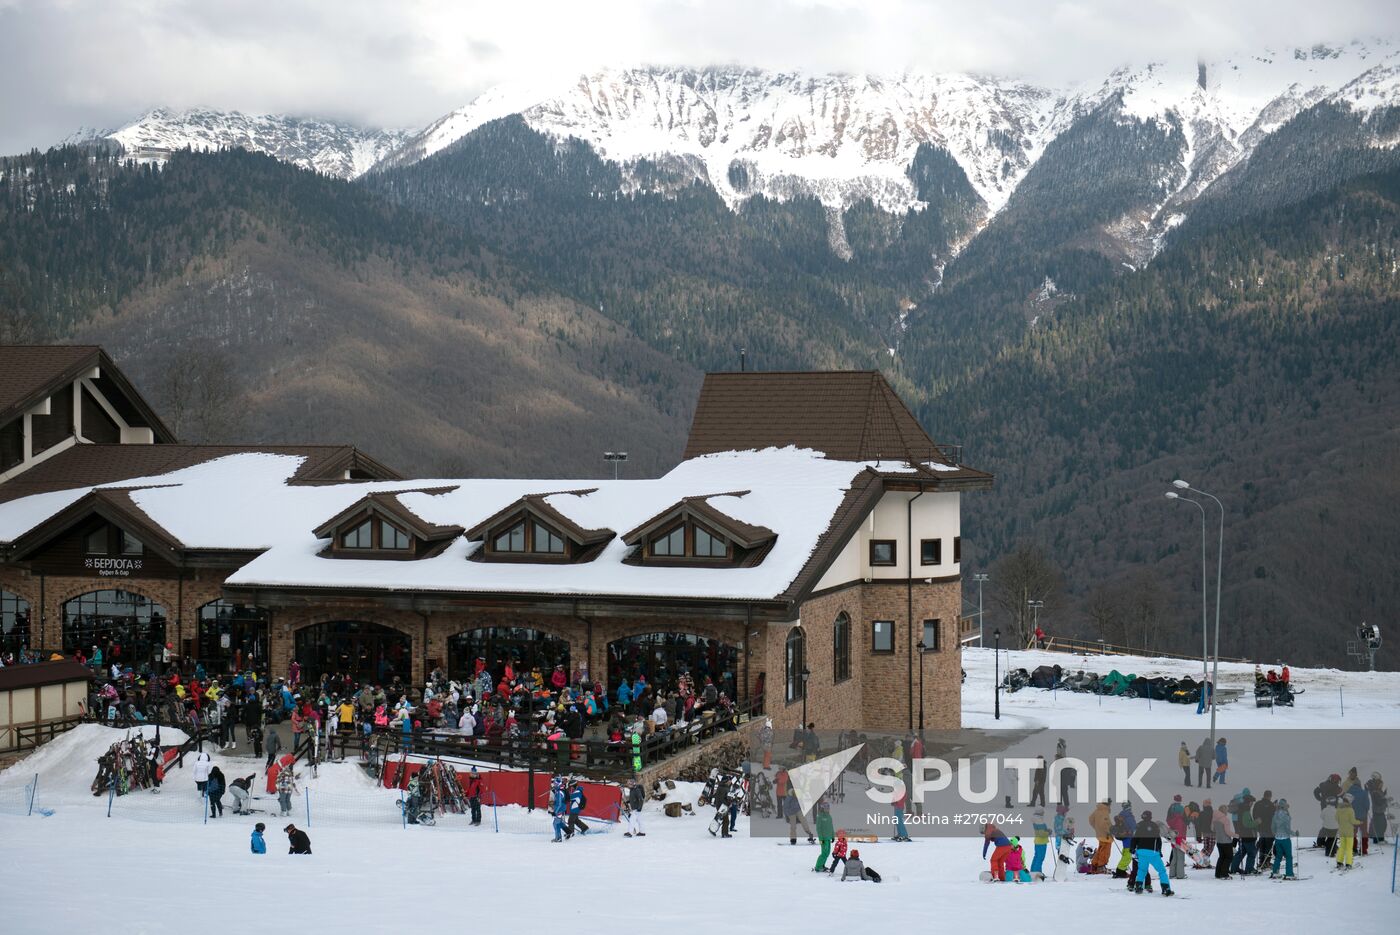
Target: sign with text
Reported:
[(113, 567)]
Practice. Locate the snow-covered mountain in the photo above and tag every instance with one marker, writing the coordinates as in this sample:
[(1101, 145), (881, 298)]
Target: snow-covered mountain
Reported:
[(332, 148), (842, 138)]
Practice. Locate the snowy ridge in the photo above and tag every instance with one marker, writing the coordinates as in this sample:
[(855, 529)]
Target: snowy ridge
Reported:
[(843, 138), (324, 146)]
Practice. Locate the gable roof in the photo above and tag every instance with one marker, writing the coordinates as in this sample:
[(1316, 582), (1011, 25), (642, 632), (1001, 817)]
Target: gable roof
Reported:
[(91, 465), (29, 373), (43, 673), (538, 503), (387, 503), (114, 505), (747, 535), (848, 415)]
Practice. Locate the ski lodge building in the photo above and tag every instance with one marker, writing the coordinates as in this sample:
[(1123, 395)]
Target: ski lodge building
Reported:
[(808, 543)]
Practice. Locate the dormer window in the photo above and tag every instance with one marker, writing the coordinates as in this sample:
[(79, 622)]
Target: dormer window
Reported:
[(391, 537), (695, 532), (380, 527), (361, 537), (533, 530)]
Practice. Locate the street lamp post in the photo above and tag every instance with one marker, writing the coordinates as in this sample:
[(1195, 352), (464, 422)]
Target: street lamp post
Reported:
[(981, 633), (996, 635), (806, 674), (1205, 650), (1035, 617), (922, 649), (1219, 572)]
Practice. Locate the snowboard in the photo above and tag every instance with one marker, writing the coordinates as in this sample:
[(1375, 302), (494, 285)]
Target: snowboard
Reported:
[(1290, 879), (986, 877)]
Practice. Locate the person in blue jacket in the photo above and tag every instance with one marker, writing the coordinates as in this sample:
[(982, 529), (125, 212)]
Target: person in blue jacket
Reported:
[(1222, 761), (1283, 840), (558, 808), (1128, 819), (259, 845), (1361, 805), (576, 803), (624, 694)]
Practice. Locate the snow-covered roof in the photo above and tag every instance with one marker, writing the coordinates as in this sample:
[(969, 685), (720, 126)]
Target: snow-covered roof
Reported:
[(247, 502)]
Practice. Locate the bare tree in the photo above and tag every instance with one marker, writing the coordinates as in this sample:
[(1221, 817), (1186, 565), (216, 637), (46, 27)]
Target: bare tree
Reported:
[(1104, 609), (201, 395), (1022, 576)]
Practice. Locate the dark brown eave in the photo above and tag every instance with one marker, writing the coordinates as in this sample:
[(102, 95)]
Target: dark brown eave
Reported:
[(580, 605), (81, 360)]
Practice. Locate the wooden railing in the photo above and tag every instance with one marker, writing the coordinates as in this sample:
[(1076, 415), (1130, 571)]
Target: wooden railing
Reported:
[(29, 736)]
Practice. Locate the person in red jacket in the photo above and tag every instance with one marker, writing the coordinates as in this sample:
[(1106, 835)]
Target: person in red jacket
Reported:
[(472, 788)]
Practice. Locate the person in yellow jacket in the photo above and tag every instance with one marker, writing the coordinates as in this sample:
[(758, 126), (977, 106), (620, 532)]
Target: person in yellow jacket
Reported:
[(1346, 824)]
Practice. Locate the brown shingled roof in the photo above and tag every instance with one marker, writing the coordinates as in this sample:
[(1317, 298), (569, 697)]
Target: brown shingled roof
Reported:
[(386, 502), (31, 372), (850, 415), (89, 465), (43, 673)]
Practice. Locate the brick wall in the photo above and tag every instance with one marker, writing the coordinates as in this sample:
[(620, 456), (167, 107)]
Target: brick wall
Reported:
[(877, 696)]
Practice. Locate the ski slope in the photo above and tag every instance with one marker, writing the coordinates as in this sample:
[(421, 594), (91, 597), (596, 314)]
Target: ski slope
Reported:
[(84, 872)]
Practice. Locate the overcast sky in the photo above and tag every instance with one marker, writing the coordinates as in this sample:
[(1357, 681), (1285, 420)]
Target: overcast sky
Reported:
[(71, 63)]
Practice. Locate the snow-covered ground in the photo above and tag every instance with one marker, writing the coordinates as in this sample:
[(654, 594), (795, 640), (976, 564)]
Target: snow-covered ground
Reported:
[(154, 865)]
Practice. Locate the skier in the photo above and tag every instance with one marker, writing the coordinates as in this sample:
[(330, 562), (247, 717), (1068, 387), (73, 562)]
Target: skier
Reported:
[(792, 811), (1222, 761), (577, 801), (1042, 840), (1223, 830), (300, 843), (202, 765), (632, 803), (1001, 847), (242, 791), (1147, 841), (1204, 757), (1102, 824), (1361, 805), (558, 808), (215, 789), (838, 851), (1283, 840), (1327, 833), (473, 793), (258, 844), (286, 788), (826, 833), (1347, 823)]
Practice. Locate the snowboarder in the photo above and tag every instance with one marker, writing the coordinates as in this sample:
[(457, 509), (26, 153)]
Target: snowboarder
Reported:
[(856, 870), (826, 834), (258, 844), (1147, 844), (632, 803), (298, 841), (1001, 847), (1222, 761), (1283, 840)]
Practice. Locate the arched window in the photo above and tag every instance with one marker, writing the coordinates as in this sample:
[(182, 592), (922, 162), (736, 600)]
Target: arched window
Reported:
[(14, 623), (129, 627), (841, 647), (232, 637), (794, 661)]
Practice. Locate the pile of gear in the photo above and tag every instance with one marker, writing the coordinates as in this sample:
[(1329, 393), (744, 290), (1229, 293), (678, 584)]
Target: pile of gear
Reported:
[(132, 763)]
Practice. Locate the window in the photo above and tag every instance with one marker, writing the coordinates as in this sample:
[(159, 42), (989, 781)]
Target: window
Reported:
[(97, 541), (882, 552), (841, 644), (882, 636), (957, 549), (547, 541), (130, 544), (361, 537), (512, 540), (672, 543), (794, 662), (708, 546), (391, 537), (931, 629), (931, 552)]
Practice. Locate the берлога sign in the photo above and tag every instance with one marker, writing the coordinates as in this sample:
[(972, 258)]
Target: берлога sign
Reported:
[(113, 567)]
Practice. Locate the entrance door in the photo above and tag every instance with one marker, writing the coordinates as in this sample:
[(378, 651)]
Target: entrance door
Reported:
[(232, 637), (128, 627), (367, 652)]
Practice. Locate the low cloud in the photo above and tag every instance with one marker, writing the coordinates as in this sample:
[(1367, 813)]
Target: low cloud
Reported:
[(67, 63)]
